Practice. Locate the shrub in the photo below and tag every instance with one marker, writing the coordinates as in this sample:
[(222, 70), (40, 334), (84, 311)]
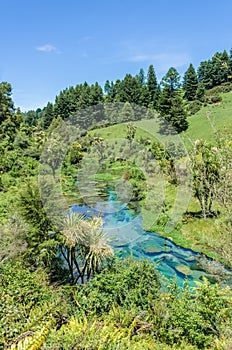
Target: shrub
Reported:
[(215, 98), (194, 107), (126, 283), (196, 318), (26, 301)]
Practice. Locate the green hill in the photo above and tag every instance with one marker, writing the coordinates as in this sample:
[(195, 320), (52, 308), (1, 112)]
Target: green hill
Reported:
[(210, 119), (202, 125)]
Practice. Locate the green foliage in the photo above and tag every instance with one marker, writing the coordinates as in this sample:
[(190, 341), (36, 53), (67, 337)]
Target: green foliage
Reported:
[(129, 283), (26, 301), (196, 318), (171, 104), (180, 318), (42, 244), (200, 93), (75, 153), (6, 103), (130, 333), (194, 107), (153, 88), (48, 115), (215, 71), (131, 90), (73, 99), (84, 246), (190, 83), (124, 305), (131, 130), (215, 98), (12, 238), (205, 167)]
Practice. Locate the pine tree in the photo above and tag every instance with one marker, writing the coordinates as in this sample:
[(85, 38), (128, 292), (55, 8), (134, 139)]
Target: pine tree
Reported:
[(171, 105), (131, 90), (110, 91), (6, 103), (96, 94), (190, 83), (205, 74), (48, 115), (230, 62), (141, 77), (220, 67), (200, 93), (153, 88)]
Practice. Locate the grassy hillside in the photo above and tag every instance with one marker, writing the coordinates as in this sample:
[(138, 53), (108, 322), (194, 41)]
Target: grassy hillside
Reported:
[(202, 125), (211, 118)]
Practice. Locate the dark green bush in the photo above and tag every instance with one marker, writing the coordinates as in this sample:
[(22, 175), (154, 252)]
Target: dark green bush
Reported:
[(129, 283), (194, 107), (213, 98), (223, 88), (196, 318)]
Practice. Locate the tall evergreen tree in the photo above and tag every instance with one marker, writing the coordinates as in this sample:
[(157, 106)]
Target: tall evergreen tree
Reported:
[(220, 67), (131, 90), (190, 83), (171, 105), (96, 94), (6, 103), (107, 87), (48, 115), (30, 118), (153, 88), (205, 74), (230, 57), (141, 77), (215, 71), (65, 103)]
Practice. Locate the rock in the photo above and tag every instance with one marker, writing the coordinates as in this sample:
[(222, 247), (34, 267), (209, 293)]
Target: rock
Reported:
[(184, 269)]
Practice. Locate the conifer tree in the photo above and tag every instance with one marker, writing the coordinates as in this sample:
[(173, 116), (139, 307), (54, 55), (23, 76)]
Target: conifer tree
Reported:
[(171, 105), (48, 115), (153, 88), (190, 83)]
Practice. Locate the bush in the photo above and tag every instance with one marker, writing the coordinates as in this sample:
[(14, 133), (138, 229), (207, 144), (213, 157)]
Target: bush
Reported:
[(196, 318), (223, 88), (128, 283), (26, 301), (213, 98), (194, 107)]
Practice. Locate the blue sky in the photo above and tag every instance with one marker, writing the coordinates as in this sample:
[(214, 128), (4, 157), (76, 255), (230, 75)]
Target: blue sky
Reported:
[(49, 45)]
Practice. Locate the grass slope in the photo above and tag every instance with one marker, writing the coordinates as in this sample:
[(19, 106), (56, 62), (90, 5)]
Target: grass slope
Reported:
[(202, 125), (210, 119)]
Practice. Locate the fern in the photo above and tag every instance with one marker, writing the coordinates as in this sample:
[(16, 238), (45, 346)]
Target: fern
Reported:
[(30, 340)]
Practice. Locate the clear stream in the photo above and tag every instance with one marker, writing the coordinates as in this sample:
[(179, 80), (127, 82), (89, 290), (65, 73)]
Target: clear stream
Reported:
[(123, 226)]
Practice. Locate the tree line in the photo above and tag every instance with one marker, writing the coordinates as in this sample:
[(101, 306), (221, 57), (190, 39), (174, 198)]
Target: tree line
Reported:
[(173, 98)]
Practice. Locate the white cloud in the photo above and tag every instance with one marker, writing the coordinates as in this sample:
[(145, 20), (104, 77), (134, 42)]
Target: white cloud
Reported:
[(164, 60), (47, 48)]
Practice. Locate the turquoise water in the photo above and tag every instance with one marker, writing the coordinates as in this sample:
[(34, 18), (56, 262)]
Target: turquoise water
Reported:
[(123, 226)]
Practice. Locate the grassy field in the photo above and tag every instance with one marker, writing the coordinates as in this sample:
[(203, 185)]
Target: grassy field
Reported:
[(194, 232), (202, 125), (210, 119)]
